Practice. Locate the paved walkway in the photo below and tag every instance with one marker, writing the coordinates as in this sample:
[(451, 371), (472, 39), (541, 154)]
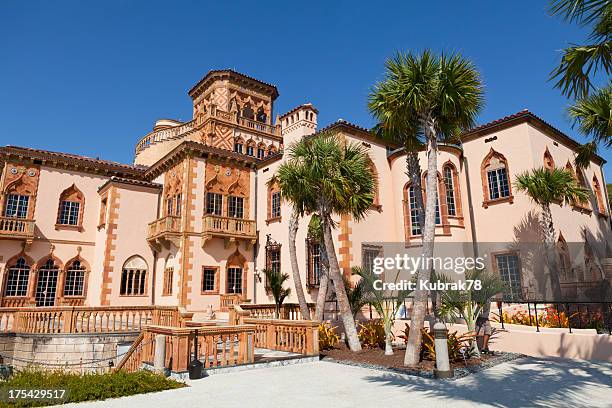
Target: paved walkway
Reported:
[(528, 382)]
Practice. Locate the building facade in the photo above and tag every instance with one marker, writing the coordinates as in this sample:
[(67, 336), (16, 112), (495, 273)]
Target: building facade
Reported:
[(194, 220)]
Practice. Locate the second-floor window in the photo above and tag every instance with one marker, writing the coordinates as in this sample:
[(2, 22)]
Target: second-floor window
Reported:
[(16, 206), (238, 147), (214, 203), (450, 191), (275, 211), (314, 265), (498, 183), (261, 152), (69, 213), (168, 279), (235, 207), (415, 228)]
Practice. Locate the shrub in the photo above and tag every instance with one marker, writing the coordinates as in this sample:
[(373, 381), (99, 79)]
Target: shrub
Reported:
[(86, 387), (549, 317), (455, 343), (372, 334), (328, 338)]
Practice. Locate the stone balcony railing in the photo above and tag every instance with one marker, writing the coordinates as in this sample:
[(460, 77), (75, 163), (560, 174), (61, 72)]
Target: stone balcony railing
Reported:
[(233, 119), (164, 134), (16, 228), (165, 230), (228, 228)]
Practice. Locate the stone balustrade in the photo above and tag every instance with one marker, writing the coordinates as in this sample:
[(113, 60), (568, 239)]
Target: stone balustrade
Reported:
[(18, 228), (295, 336), (164, 134), (228, 227), (218, 346), (165, 229), (288, 311), (112, 319)]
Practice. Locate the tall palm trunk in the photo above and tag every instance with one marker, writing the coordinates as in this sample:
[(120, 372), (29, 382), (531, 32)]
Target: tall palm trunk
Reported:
[(338, 282), (413, 345), (295, 268), (413, 170), (548, 230), (323, 285)]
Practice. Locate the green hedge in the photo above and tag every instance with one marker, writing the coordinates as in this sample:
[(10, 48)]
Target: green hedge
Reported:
[(85, 387)]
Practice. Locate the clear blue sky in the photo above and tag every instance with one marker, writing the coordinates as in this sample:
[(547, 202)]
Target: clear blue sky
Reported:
[(92, 79)]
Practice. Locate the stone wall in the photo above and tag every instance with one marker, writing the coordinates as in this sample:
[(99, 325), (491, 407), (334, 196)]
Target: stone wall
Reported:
[(75, 352)]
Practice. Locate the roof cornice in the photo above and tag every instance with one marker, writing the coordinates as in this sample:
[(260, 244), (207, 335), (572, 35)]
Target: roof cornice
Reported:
[(74, 162), (191, 148), (225, 74)]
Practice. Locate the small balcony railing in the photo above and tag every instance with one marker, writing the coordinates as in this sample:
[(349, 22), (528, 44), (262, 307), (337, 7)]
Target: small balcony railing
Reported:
[(228, 227), (164, 229), (17, 228)]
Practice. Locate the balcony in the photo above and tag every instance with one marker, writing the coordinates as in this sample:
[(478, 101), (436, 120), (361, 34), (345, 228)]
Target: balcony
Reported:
[(232, 119), (17, 228), (231, 229), (165, 231)]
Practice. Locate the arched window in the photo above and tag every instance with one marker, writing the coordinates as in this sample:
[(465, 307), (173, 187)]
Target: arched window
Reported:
[(20, 193), (261, 151), (376, 201), (238, 145), (272, 150), (17, 278), (236, 274), (168, 276), (261, 115), (451, 189), (601, 205), (495, 179), (134, 277), (247, 112), (274, 203), (549, 162), (71, 204), (250, 148), (411, 211), (74, 283), (46, 284), (565, 264), (579, 177)]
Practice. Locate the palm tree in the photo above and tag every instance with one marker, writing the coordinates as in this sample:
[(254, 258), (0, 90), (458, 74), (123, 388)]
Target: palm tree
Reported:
[(434, 97), (276, 280), (593, 116), (315, 231), (579, 64), (470, 303), (339, 176), (356, 293), (386, 303), (292, 192), (544, 187)]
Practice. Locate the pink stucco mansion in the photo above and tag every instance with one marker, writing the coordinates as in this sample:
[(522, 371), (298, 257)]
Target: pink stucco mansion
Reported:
[(193, 221)]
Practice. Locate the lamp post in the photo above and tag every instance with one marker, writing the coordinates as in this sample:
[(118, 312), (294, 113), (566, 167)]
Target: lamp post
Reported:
[(443, 368)]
